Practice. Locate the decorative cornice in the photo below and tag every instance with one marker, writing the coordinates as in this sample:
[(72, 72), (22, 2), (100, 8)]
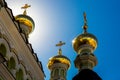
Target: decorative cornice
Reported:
[(3, 3)]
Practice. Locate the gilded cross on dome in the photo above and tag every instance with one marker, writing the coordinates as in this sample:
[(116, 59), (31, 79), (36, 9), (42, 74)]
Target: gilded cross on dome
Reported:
[(25, 8), (59, 45), (85, 23)]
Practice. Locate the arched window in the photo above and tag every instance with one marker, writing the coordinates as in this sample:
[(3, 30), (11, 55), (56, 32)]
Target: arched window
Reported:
[(3, 50), (56, 73), (19, 75), (11, 63), (1, 78), (62, 72), (52, 73)]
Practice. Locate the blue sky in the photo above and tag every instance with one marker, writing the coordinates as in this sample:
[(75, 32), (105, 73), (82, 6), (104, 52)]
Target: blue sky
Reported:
[(57, 20)]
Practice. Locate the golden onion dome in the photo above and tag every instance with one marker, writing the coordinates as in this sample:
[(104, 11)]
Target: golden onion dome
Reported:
[(84, 39), (58, 59), (26, 20)]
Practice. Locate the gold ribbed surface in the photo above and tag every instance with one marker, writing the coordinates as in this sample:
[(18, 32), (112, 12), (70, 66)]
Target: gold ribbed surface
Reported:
[(84, 39), (26, 20), (58, 59)]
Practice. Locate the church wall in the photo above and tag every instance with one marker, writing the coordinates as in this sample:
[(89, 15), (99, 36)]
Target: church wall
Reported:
[(17, 50)]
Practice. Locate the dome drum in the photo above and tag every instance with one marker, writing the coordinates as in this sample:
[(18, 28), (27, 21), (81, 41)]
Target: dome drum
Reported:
[(85, 61), (85, 48)]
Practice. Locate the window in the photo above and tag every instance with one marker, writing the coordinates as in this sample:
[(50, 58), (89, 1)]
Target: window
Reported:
[(56, 73), (11, 63), (19, 75), (3, 50), (1, 78), (52, 74), (62, 72)]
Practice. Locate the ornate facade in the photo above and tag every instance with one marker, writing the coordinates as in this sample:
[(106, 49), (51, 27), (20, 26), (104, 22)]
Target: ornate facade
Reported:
[(17, 58)]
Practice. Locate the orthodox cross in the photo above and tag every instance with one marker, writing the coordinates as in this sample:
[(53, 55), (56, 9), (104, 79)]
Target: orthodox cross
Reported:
[(25, 8), (85, 23), (59, 45)]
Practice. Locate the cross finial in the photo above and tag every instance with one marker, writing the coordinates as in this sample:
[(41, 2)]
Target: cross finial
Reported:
[(85, 23), (59, 45), (25, 8)]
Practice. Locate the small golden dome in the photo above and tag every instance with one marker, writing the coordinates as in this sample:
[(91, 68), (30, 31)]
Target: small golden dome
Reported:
[(58, 59), (26, 20), (84, 39)]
